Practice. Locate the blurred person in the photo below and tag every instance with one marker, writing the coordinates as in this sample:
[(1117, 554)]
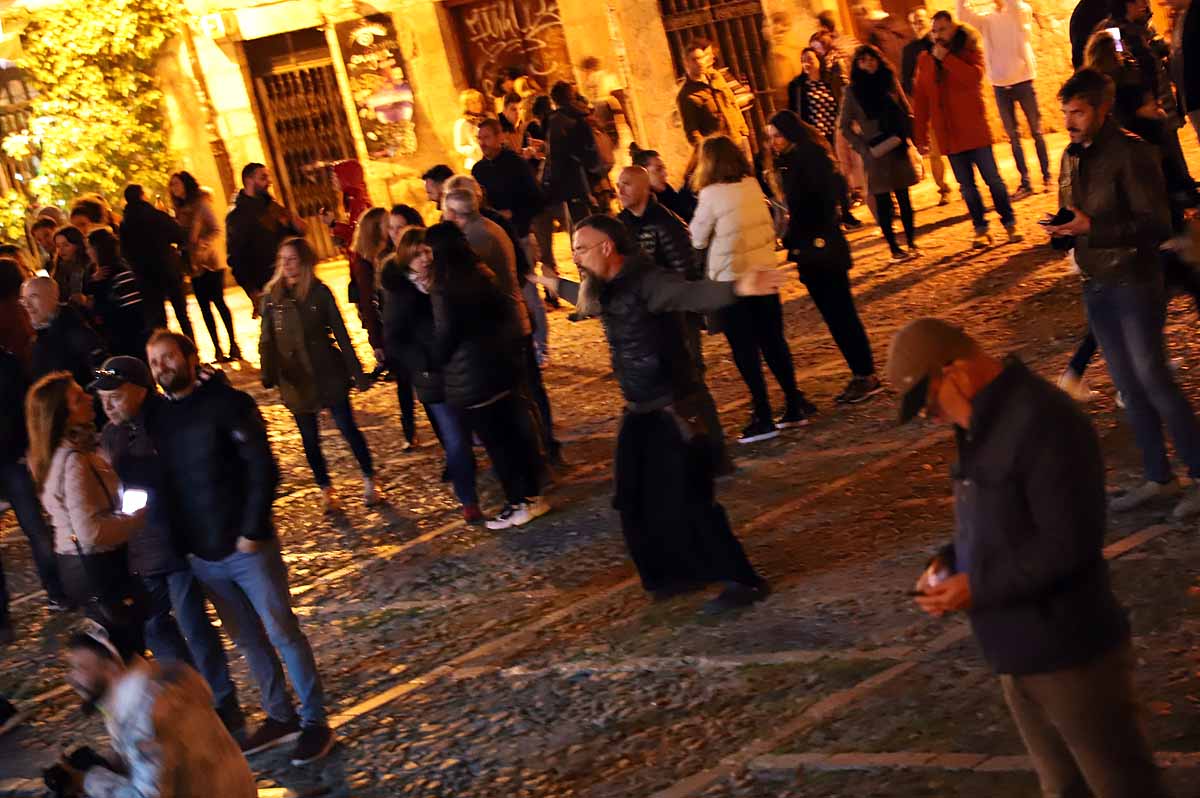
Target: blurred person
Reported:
[(402, 213), (733, 224), (79, 491), (117, 302), (165, 737), (177, 628), (466, 127), (42, 231), (89, 212), (348, 179), (366, 250), (507, 181), (1031, 573), (409, 336), (918, 18), (877, 121), (435, 178), (948, 103), (1185, 59), (16, 329), (473, 343), (204, 257), (1088, 14), (1007, 35), (571, 155), (806, 174), (707, 105), (71, 265), (254, 229), (306, 353), (220, 478), (152, 244)]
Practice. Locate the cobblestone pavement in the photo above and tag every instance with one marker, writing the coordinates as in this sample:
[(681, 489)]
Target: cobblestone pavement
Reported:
[(472, 664)]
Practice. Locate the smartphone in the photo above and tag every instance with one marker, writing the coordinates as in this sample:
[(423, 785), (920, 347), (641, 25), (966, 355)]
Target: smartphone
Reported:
[(1116, 34), (132, 500)]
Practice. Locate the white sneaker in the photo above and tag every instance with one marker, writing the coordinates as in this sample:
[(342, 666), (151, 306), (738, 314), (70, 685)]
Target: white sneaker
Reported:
[(1146, 492), (1120, 400), (1189, 506), (514, 515), (371, 496), (535, 508), (1076, 386)]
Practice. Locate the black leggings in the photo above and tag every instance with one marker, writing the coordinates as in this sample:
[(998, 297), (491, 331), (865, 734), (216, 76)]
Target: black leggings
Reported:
[(753, 325), (830, 292), (510, 444), (884, 215), (209, 288)]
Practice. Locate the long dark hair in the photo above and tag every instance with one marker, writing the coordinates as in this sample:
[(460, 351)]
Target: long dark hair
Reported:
[(877, 93), (191, 189), (107, 248), (456, 268)]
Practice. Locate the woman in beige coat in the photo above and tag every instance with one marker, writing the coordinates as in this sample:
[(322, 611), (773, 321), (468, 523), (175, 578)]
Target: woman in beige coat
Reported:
[(79, 490)]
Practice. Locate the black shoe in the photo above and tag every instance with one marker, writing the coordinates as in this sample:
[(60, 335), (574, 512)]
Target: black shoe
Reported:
[(851, 222), (1022, 192), (232, 717), (235, 353), (735, 596), (759, 429), (673, 589), (859, 389), (223, 358), (799, 412), (315, 742), (7, 635), (446, 474), (899, 254), (271, 734), (59, 605)]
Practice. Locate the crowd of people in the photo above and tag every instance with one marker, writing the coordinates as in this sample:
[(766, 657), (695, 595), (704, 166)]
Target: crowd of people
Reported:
[(144, 480)]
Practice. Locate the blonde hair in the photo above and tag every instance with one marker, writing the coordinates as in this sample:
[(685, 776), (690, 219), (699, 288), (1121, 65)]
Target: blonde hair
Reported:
[(469, 96), (370, 236), (719, 160), (46, 419), (277, 287)]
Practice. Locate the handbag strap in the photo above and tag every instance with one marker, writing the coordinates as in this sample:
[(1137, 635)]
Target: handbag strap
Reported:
[(83, 558)]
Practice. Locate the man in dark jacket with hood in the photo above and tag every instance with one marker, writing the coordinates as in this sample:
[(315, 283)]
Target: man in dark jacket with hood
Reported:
[(150, 239), (571, 154), (127, 390), (1027, 564), (254, 229), (17, 488), (220, 478), (677, 533)]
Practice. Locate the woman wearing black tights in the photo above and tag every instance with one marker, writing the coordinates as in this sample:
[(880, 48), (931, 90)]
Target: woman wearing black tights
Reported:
[(877, 121)]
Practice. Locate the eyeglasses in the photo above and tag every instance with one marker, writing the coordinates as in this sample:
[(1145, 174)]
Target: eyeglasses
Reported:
[(577, 251)]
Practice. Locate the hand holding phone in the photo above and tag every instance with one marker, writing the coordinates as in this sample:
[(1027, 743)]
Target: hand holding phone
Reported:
[(133, 500)]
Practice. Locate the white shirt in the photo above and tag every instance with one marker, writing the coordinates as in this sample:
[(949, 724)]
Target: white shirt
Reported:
[(1006, 41)]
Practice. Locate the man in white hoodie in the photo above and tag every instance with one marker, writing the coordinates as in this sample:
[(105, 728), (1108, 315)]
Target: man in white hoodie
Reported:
[(1012, 67)]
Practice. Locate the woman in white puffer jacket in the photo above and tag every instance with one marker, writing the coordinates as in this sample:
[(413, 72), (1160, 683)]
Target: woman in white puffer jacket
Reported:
[(733, 223)]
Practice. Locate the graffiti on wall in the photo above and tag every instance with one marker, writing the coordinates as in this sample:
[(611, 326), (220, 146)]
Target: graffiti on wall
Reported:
[(380, 85), (526, 34)]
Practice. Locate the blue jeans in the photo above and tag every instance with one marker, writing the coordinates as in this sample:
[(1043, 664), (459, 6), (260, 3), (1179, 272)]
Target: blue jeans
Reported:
[(17, 488), (460, 457), (1127, 320), (178, 630), (310, 436), (964, 165), (1007, 99), (250, 593)]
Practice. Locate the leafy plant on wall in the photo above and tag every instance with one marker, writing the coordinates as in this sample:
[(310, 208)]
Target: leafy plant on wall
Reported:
[(96, 118)]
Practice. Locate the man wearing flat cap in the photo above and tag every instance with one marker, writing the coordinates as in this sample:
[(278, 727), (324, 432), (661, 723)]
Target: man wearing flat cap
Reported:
[(177, 625), (1026, 563)]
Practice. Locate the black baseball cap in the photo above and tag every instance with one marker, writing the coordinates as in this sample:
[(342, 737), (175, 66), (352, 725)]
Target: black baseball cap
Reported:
[(119, 370)]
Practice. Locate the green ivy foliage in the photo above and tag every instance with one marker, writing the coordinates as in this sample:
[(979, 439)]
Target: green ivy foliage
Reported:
[(98, 121)]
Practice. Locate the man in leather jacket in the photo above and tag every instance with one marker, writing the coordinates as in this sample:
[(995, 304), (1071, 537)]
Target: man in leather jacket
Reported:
[(677, 533), (1112, 185), (177, 625)]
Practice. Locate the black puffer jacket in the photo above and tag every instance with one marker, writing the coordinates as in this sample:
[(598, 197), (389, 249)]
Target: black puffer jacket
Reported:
[(571, 155), (68, 344), (1118, 182), (149, 238), (477, 360), (218, 468), (646, 334), (408, 332), (254, 229), (130, 449), (664, 238)]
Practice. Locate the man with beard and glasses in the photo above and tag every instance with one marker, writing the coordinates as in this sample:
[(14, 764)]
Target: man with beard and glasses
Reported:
[(219, 476), (166, 738), (677, 532), (1112, 187)]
